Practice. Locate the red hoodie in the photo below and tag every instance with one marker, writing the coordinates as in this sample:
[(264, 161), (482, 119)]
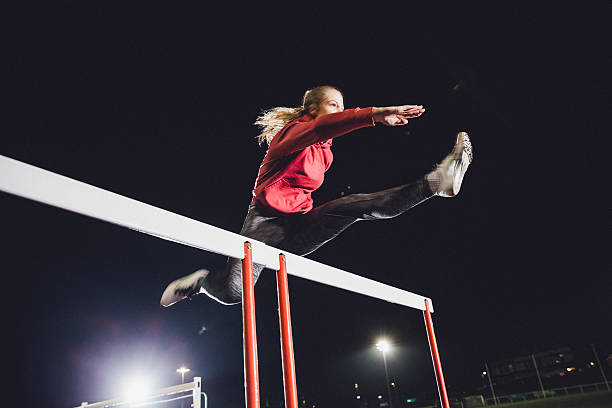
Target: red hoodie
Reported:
[(298, 157)]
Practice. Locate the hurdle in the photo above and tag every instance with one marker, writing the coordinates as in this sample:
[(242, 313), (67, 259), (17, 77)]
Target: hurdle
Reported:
[(31, 182), (194, 387)]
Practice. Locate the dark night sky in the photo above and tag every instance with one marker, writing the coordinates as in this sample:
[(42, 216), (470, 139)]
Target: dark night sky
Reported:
[(155, 102)]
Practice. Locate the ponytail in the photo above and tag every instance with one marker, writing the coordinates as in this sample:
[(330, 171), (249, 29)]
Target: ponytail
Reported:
[(271, 121)]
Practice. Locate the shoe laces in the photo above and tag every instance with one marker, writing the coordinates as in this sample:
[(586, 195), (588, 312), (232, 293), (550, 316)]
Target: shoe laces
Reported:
[(467, 148), (189, 291)]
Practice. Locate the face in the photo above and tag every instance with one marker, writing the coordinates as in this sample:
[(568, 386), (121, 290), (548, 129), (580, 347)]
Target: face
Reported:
[(332, 102)]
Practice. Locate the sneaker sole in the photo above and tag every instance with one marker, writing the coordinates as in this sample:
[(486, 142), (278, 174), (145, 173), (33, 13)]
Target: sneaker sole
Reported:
[(465, 146), (170, 297)]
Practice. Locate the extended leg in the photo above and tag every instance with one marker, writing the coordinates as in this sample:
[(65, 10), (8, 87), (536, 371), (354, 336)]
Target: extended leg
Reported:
[(313, 229), (325, 222)]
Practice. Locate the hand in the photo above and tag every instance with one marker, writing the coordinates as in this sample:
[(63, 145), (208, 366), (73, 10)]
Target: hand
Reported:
[(397, 115)]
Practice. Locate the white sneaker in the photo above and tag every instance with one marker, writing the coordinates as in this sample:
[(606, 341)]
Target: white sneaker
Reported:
[(183, 288), (453, 167)]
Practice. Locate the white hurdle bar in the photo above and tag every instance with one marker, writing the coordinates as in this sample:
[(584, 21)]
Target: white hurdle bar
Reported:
[(34, 183), (195, 386)]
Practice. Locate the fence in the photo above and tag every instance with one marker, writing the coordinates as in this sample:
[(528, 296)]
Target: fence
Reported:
[(553, 392)]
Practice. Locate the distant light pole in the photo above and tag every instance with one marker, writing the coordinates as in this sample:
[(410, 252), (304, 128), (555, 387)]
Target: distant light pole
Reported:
[(600, 367), (488, 374), (535, 365), (182, 370), (384, 346)]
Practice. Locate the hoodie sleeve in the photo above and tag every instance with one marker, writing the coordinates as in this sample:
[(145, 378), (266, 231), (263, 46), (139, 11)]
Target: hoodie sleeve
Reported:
[(300, 135)]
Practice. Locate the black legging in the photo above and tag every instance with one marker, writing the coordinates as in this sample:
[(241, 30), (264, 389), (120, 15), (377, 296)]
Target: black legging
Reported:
[(302, 234)]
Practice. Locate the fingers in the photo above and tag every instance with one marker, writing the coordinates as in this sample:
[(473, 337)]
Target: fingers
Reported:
[(410, 109), (399, 115), (411, 115), (396, 120)]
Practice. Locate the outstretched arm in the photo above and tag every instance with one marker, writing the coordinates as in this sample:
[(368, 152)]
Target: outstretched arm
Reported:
[(397, 115), (302, 134)]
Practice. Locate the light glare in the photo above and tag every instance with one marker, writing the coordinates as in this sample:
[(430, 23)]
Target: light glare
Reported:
[(136, 389), (383, 345)]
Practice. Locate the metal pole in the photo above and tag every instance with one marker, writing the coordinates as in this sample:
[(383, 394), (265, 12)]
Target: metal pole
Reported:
[(600, 367), (491, 384), (538, 373), (433, 347), (387, 378), (284, 317), (182, 382), (251, 374)]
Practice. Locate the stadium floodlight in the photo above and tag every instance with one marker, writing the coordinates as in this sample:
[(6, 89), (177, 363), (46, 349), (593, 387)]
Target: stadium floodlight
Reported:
[(182, 370), (383, 345), (136, 389)]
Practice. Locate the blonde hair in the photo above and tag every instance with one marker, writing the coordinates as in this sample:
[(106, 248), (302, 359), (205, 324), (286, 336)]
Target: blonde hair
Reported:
[(271, 121)]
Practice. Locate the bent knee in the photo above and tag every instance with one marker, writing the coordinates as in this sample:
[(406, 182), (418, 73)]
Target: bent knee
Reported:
[(228, 297)]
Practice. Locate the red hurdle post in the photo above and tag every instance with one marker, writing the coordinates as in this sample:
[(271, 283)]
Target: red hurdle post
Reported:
[(435, 356), (251, 373), (284, 317)]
